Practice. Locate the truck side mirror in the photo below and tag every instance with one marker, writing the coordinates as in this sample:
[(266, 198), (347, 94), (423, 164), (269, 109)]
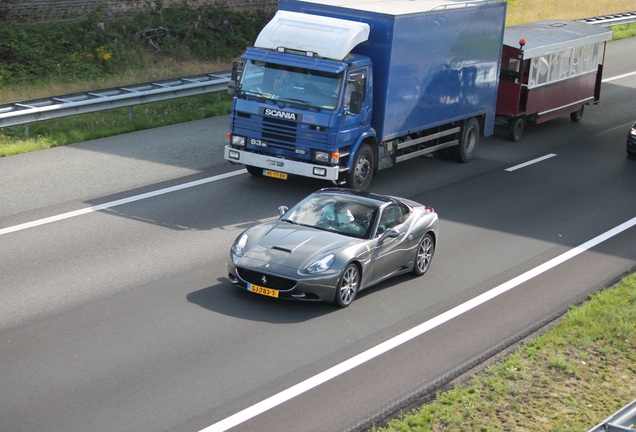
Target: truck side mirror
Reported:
[(355, 106), (235, 77)]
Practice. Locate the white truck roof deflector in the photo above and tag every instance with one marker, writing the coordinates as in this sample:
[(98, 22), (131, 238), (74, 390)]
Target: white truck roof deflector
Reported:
[(330, 38)]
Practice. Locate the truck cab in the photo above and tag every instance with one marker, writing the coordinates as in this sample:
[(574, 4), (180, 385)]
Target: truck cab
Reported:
[(300, 110)]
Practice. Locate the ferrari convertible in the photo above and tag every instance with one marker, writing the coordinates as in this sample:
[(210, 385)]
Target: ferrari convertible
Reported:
[(333, 244)]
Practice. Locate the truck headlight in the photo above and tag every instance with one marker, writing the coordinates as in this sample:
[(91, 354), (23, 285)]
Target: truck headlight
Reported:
[(238, 141), (327, 157), (321, 156)]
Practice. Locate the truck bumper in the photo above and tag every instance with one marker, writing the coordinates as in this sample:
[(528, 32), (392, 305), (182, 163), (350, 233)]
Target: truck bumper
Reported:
[(282, 165)]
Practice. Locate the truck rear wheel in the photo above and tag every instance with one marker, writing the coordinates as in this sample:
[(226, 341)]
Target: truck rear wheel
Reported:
[(515, 129), (362, 169), (576, 116), (465, 151)]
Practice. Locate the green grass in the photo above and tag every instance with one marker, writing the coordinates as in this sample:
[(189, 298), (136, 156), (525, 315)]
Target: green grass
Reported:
[(79, 128), (568, 379)]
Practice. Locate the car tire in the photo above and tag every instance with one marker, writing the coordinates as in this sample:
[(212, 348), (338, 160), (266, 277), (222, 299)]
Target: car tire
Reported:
[(424, 255), (362, 169), (348, 285), (576, 116), (255, 171)]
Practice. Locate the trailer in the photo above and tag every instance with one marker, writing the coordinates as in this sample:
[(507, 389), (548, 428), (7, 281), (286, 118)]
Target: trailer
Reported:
[(549, 69), (341, 89)]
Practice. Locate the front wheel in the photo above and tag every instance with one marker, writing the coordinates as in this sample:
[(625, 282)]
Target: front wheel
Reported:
[(576, 116), (348, 285), (255, 171), (362, 169), (424, 255), (465, 151)]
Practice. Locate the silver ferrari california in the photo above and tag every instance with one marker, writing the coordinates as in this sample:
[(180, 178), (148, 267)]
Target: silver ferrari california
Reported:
[(333, 244)]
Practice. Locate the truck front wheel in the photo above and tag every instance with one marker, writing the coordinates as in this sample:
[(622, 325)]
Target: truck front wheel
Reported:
[(255, 171), (465, 151), (359, 177)]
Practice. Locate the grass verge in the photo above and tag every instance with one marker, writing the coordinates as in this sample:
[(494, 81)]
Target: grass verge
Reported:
[(568, 379), (79, 128)]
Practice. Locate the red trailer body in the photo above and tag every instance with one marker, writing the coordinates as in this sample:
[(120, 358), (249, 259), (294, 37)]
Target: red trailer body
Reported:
[(549, 69)]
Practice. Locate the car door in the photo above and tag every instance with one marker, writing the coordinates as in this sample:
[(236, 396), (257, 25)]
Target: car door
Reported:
[(391, 253)]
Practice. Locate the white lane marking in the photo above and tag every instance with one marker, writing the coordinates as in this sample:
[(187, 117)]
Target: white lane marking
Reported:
[(618, 77), (347, 365), (533, 161), (118, 202)]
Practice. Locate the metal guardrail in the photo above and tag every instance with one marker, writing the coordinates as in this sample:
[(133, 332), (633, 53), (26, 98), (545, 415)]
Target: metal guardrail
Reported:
[(126, 96), (30, 111), (611, 20), (622, 420)]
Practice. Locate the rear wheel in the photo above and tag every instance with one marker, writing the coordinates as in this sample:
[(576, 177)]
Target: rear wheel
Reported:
[(424, 255), (576, 116), (515, 129), (255, 171), (465, 151), (362, 169), (347, 286)]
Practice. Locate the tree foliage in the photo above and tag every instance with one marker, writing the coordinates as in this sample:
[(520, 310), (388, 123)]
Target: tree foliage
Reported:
[(93, 48)]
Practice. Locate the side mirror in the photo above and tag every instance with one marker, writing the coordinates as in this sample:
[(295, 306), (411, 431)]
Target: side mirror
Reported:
[(282, 210), (235, 77), (355, 106)]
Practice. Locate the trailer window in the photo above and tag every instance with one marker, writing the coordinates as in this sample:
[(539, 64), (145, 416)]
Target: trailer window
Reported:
[(575, 67), (585, 60), (555, 66)]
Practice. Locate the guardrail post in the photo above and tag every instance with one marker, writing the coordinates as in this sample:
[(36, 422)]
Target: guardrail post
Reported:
[(26, 131), (130, 113)]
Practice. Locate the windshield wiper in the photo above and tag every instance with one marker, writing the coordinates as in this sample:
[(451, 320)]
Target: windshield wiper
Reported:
[(302, 102), (257, 93)]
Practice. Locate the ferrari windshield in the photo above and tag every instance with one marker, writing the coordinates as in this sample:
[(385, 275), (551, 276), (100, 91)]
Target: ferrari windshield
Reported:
[(289, 84), (332, 212)]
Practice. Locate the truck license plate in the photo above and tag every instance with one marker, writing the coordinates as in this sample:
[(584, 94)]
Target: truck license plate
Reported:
[(275, 174), (262, 290)]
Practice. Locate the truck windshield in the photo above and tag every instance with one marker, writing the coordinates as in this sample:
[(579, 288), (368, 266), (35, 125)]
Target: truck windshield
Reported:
[(293, 85)]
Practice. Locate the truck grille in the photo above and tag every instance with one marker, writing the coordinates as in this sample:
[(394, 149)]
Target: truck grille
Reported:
[(280, 134), (273, 282)]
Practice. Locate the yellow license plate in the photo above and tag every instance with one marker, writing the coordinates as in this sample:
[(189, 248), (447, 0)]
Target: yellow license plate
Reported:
[(262, 290), (276, 174)]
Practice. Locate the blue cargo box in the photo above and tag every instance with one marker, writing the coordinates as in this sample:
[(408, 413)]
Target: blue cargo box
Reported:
[(434, 62)]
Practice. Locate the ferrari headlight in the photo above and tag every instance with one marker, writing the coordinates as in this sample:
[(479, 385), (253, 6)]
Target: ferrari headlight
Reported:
[(238, 248), (323, 264)]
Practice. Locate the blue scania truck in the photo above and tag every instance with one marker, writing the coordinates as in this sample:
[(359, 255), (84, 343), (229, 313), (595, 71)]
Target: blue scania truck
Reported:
[(341, 89)]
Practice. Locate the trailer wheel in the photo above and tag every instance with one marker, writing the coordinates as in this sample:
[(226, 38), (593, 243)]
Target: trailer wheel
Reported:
[(362, 169), (576, 116), (255, 171), (515, 129), (465, 151)]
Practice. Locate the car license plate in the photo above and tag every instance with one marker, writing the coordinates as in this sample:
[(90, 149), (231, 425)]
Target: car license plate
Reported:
[(262, 290), (276, 174)]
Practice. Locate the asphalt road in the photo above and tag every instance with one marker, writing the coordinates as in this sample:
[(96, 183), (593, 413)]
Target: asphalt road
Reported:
[(117, 315)]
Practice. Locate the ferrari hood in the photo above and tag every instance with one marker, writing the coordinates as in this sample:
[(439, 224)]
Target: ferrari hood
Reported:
[(293, 245)]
